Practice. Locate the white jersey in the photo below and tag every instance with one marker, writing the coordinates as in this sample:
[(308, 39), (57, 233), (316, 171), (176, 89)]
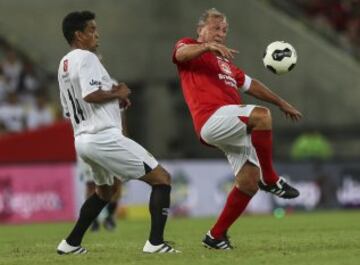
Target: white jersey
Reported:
[(81, 73)]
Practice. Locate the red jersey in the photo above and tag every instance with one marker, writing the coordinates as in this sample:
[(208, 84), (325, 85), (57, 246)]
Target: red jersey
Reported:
[(208, 82)]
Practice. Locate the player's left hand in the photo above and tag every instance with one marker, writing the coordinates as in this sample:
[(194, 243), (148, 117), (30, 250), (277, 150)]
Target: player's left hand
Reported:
[(290, 111)]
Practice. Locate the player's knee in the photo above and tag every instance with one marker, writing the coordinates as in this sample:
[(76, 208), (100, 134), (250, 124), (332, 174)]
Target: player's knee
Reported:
[(157, 176), (105, 192), (116, 194), (105, 197), (248, 183), (164, 177), (263, 114), (116, 187), (260, 117), (249, 186)]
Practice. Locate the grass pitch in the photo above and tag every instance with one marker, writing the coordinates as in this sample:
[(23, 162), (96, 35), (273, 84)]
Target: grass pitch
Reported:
[(330, 238)]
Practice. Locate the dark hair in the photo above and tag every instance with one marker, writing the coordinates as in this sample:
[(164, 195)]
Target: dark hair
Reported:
[(75, 21)]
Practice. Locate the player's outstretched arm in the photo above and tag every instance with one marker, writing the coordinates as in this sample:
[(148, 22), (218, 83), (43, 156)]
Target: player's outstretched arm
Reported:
[(190, 51), (260, 91)]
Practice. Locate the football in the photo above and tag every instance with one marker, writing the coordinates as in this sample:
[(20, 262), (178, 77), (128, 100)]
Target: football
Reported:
[(280, 57)]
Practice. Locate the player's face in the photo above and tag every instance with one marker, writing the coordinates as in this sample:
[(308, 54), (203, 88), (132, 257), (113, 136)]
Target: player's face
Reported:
[(90, 37), (214, 30)]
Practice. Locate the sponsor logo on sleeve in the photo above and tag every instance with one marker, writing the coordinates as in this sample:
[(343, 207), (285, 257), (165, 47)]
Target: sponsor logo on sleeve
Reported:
[(94, 83)]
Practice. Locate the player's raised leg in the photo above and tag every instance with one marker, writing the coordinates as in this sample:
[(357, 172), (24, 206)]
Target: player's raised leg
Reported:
[(260, 124), (159, 204), (238, 198)]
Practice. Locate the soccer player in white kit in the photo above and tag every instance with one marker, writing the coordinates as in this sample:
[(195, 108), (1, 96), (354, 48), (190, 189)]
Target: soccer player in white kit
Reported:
[(91, 100)]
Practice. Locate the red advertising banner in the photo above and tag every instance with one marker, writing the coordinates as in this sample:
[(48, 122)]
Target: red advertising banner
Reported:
[(36, 193), (53, 143)]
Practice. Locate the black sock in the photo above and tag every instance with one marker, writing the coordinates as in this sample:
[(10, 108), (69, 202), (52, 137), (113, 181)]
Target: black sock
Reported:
[(89, 211), (111, 208), (159, 206)]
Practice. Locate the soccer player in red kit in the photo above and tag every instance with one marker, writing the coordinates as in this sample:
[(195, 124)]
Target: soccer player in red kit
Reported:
[(211, 85)]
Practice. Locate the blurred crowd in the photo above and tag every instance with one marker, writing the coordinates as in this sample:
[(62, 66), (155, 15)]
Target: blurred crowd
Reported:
[(338, 19), (24, 101)]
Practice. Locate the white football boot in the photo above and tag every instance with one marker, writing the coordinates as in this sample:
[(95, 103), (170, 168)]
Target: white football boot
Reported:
[(64, 249), (162, 248)]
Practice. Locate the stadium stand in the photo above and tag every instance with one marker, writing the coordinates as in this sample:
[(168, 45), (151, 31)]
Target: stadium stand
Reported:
[(336, 20), (24, 104)]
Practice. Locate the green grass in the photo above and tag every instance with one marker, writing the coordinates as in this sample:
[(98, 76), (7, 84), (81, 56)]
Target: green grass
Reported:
[(330, 238)]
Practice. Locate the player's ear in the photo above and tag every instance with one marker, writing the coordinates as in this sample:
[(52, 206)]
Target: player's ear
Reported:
[(78, 35), (198, 30)]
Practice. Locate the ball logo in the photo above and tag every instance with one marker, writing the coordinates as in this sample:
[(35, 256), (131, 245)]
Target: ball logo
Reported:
[(225, 67), (65, 65), (278, 55)]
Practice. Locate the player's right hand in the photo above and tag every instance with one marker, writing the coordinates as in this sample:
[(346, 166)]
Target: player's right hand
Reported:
[(122, 91), (221, 49)]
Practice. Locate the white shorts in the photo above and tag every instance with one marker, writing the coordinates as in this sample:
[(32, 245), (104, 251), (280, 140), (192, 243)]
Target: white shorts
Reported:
[(110, 154), (225, 130), (83, 170)]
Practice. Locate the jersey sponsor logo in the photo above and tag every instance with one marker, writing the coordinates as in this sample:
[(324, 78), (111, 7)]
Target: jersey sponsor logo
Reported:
[(94, 83), (224, 67), (228, 80), (65, 65)]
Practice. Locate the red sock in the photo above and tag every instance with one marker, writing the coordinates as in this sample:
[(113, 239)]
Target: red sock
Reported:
[(262, 141), (235, 205)]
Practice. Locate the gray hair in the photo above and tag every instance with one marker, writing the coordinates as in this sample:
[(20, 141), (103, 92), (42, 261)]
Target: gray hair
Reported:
[(212, 12)]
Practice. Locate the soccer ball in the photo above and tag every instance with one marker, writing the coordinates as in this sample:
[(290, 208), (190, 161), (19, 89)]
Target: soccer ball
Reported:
[(280, 57)]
